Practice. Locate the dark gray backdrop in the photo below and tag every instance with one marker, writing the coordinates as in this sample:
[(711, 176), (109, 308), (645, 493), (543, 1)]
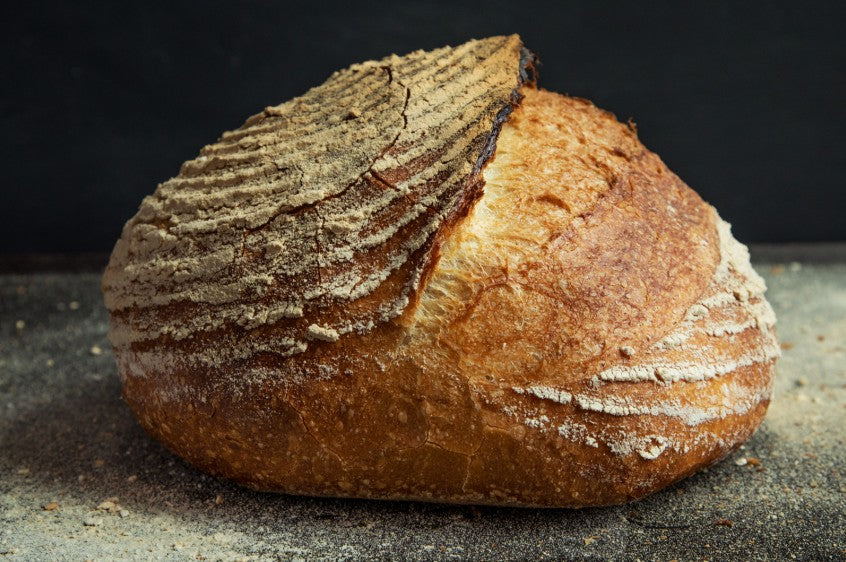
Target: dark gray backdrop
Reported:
[(102, 101)]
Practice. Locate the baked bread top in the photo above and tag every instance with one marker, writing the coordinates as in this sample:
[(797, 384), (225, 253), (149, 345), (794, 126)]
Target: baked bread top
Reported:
[(335, 197)]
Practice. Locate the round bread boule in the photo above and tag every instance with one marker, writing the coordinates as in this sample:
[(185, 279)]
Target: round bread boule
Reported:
[(427, 279)]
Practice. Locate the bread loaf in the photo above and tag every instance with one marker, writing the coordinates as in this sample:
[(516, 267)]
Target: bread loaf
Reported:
[(428, 279)]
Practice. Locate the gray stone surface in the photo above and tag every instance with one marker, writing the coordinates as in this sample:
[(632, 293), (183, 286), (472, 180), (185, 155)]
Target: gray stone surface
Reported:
[(66, 437)]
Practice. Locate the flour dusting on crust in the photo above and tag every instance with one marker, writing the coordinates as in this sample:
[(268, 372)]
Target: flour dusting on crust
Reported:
[(295, 219), (733, 304)]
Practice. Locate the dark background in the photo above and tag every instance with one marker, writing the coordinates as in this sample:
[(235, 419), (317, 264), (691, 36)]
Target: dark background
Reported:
[(102, 101)]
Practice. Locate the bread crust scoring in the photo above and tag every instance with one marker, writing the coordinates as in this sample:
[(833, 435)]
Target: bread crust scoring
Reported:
[(317, 217)]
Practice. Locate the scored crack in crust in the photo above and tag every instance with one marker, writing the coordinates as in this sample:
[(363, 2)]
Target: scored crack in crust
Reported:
[(577, 327)]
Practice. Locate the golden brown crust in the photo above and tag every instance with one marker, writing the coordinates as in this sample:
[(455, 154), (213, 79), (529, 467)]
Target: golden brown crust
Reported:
[(590, 332)]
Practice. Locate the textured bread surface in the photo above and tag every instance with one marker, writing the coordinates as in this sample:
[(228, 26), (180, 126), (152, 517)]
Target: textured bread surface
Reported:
[(563, 324), (314, 219)]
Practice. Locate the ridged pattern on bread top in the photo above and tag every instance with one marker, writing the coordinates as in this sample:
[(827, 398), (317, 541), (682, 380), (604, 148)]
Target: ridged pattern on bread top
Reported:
[(314, 202)]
